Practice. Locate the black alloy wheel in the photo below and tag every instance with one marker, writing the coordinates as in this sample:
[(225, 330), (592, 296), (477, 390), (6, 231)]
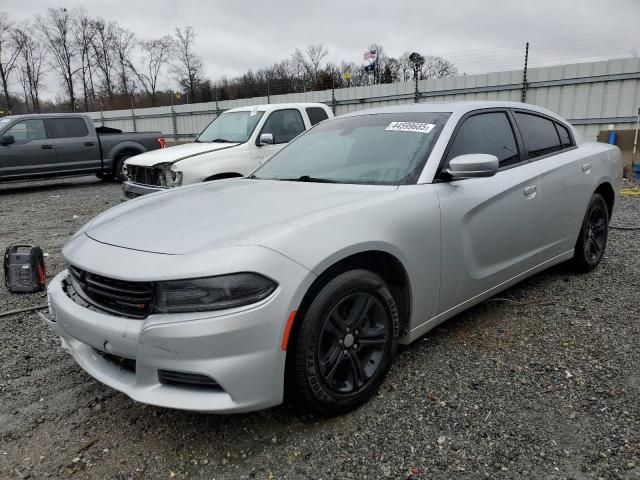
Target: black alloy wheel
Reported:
[(352, 342), (344, 342), (592, 239)]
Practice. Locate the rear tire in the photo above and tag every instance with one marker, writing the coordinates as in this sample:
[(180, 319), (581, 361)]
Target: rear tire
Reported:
[(345, 343), (592, 239)]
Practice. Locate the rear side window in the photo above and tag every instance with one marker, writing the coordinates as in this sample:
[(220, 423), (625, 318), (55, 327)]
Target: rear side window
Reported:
[(67, 127), (316, 115), (539, 134), (565, 138), (489, 133), (284, 125)]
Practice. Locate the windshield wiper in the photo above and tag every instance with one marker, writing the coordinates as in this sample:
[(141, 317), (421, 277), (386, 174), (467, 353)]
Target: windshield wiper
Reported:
[(222, 140), (307, 178)]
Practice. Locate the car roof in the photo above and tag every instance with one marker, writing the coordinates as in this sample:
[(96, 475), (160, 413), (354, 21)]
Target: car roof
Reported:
[(459, 108), (273, 106)]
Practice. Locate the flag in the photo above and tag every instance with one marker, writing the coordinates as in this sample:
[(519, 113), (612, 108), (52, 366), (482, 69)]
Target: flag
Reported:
[(371, 56)]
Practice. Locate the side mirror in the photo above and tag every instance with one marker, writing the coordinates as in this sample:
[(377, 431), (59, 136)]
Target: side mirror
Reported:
[(266, 139), (473, 166), (7, 139)]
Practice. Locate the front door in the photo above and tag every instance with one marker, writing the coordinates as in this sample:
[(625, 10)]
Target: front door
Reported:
[(488, 225), (284, 125), (32, 153)]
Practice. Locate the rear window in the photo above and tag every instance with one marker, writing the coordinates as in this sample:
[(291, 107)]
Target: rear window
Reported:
[(539, 134), (316, 115), (67, 127)]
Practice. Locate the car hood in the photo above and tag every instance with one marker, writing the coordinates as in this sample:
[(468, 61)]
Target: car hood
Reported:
[(225, 213), (175, 154)]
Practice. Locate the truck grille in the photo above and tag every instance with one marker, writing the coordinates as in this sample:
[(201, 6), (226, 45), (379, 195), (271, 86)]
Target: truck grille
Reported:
[(144, 175), (131, 299)]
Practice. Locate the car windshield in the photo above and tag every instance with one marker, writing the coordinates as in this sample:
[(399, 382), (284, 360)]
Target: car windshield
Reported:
[(377, 149), (231, 127)]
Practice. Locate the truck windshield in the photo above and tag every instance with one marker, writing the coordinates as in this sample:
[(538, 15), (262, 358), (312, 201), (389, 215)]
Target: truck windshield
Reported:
[(377, 149), (231, 127)]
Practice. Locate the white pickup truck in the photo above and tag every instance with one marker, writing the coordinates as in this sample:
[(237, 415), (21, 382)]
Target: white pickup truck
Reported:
[(232, 145)]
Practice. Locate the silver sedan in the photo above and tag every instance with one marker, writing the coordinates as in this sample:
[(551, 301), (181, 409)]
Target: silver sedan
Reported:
[(365, 232)]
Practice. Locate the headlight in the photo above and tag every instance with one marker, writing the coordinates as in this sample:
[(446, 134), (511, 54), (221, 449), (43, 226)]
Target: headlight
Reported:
[(176, 178), (211, 293)]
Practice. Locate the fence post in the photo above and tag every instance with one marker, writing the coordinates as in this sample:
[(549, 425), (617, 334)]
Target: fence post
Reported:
[(333, 94), (174, 122), (523, 96)]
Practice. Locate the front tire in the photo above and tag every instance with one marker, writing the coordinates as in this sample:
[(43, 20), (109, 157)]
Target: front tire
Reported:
[(345, 343), (592, 240), (119, 174)]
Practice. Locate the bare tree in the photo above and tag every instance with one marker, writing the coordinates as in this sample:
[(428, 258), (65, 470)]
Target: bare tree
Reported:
[(30, 65), (124, 43), (188, 66), (9, 51), (103, 48), (84, 32), (315, 54), (405, 67), (57, 27), (438, 67), (155, 55)]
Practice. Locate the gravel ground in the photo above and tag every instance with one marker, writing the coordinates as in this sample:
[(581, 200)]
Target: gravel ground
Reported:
[(542, 381)]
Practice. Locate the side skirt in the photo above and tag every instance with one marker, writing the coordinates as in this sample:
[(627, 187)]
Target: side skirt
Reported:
[(438, 319)]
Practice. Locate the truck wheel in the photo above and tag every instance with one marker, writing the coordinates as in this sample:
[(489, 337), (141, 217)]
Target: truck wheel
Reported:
[(119, 173)]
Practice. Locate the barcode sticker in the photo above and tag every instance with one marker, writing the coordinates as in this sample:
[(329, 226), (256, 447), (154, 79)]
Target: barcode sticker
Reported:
[(410, 127)]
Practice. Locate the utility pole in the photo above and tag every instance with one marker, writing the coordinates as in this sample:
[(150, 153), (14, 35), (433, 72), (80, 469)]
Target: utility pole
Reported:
[(523, 97)]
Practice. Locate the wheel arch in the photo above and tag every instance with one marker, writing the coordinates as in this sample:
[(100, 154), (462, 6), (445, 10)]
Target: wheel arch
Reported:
[(606, 190)]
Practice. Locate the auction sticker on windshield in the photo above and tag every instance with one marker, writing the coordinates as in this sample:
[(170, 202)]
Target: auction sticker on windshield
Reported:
[(410, 127)]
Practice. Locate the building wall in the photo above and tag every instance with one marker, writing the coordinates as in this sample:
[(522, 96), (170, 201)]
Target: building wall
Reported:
[(591, 96)]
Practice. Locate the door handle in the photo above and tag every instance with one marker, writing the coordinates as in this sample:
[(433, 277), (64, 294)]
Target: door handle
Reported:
[(530, 191), (586, 168), (89, 144), (46, 147)]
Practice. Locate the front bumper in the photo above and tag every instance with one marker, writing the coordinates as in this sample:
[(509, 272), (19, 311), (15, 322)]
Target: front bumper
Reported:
[(238, 348), (132, 190)]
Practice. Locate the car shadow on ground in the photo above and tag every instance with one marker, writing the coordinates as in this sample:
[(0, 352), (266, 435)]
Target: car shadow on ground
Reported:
[(62, 183)]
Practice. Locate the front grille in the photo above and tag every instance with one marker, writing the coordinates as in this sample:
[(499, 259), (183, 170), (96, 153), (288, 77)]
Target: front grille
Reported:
[(188, 380), (144, 175), (131, 299)]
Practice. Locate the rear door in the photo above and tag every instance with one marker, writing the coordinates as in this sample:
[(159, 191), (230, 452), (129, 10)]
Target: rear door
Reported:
[(285, 125), (488, 224), (76, 146), (565, 178), (32, 154)]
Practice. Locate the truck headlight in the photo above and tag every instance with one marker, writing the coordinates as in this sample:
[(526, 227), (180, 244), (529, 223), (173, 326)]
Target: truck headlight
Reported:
[(176, 178), (211, 293)]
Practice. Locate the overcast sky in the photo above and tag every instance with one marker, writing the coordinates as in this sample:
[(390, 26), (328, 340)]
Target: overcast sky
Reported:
[(477, 35)]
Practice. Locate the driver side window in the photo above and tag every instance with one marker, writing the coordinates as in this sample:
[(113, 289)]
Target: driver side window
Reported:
[(284, 125), (489, 133), (27, 130)]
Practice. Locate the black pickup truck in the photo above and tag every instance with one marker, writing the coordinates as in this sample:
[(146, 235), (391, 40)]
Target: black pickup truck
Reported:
[(42, 146)]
